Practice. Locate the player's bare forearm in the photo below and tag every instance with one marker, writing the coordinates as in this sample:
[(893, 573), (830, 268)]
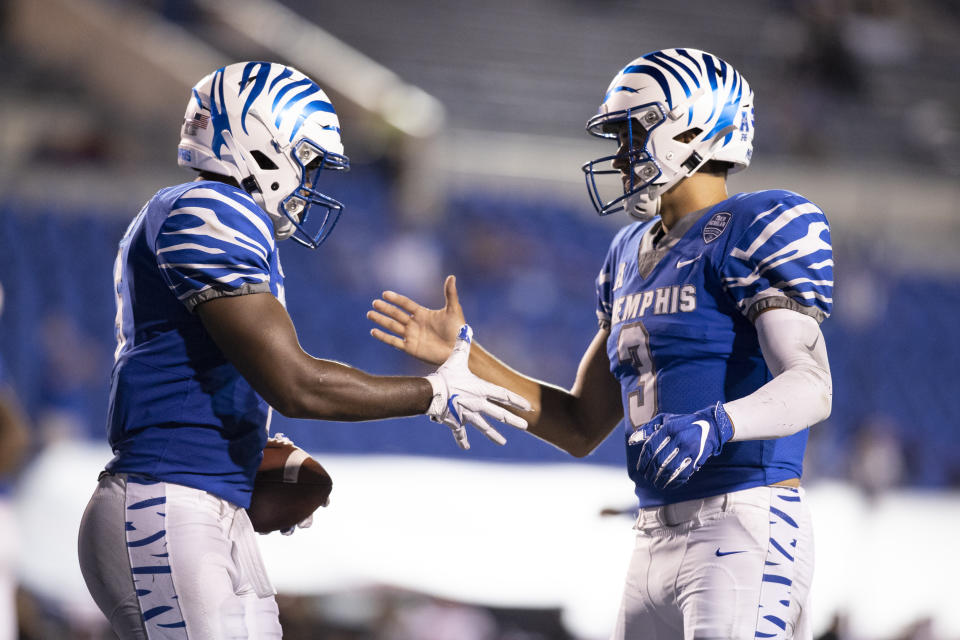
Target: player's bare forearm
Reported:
[(341, 392), (255, 333), (575, 420)]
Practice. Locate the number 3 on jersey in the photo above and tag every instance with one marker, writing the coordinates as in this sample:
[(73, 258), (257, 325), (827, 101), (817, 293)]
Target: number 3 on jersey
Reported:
[(633, 347)]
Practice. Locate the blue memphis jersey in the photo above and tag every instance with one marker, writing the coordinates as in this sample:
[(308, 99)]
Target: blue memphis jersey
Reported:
[(680, 313), (179, 411)]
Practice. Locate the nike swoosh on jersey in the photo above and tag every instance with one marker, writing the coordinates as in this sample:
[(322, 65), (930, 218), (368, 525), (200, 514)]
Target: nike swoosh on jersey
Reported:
[(682, 263), (720, 554), (704, 431)]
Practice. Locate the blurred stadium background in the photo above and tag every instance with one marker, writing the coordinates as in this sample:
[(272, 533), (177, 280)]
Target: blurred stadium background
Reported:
[(464, 123)]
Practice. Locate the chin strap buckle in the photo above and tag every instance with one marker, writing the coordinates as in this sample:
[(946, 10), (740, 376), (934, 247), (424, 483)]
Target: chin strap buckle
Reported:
[(692, 163), (250, 185)]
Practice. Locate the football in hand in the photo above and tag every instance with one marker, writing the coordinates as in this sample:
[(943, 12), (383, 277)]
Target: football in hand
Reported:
[(288, 488)]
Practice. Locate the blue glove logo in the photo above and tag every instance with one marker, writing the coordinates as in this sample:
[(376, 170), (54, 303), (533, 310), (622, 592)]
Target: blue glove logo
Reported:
[(679, 444), (452, 408), (704, 432)]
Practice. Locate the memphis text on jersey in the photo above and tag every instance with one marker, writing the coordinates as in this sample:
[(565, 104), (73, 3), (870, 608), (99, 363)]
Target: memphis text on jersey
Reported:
[(659, 301)]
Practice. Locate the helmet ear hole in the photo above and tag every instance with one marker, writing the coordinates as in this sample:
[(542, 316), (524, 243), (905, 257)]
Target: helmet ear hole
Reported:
[(688, 135), (263, 161)]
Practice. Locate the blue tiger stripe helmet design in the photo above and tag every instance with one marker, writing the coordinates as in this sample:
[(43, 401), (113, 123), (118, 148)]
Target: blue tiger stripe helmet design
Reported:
[(273, 130), (672, 111)]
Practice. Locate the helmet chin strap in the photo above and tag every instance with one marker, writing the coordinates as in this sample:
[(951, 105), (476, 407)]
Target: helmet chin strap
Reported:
[(282, 226), (641, 207), (646, 209), (645, 205)]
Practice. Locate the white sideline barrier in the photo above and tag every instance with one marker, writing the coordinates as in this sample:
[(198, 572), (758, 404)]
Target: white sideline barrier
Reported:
[(521, 535)]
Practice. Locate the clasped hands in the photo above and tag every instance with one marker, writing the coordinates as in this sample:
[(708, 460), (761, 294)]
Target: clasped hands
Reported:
[(461, 398), (673, 446), (442, 337)]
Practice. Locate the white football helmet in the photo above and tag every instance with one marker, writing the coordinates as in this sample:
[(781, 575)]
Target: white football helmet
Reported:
[(648, 106), (273, 130)]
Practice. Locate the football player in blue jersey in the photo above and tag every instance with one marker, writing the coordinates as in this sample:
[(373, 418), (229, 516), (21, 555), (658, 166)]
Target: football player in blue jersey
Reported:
[(709, 353), (206, 350)]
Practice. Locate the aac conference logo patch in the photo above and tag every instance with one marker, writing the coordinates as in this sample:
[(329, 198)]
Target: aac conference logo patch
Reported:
[(715, 227)]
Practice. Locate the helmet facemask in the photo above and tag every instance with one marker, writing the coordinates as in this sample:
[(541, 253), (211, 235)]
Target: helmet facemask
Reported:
[(629, 189), (306, 205), (283, 180)]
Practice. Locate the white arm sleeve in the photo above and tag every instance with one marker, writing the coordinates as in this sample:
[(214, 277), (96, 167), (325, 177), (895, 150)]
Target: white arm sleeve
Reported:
[(801, 392)]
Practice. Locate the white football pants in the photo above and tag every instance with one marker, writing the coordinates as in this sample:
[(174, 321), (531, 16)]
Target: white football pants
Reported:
[(165, 561), (729, 567)]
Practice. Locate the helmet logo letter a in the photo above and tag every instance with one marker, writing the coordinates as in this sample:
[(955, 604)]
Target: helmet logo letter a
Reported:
[(746, 123)]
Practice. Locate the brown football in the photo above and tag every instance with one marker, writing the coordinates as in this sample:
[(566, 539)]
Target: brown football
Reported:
[(289, 486)]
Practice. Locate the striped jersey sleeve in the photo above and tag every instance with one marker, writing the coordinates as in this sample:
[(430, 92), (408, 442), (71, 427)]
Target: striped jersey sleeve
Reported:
[(215, 242), (783, 259)]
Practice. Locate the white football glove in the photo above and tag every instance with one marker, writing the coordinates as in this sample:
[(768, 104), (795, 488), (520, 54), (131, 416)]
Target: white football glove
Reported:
[(303, 524), (459, 397), (308, 521)]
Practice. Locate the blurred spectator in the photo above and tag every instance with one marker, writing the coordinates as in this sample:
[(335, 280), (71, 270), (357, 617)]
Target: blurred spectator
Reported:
[(825, 109), (919, 630), (934, 130), (410, 262), (826, 60), (877, 462), (305, 617), (436, 619), (13, 441), (74, 138), (865, 293), (877, 32), (13, 445), (75, 365), (837, 629)]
